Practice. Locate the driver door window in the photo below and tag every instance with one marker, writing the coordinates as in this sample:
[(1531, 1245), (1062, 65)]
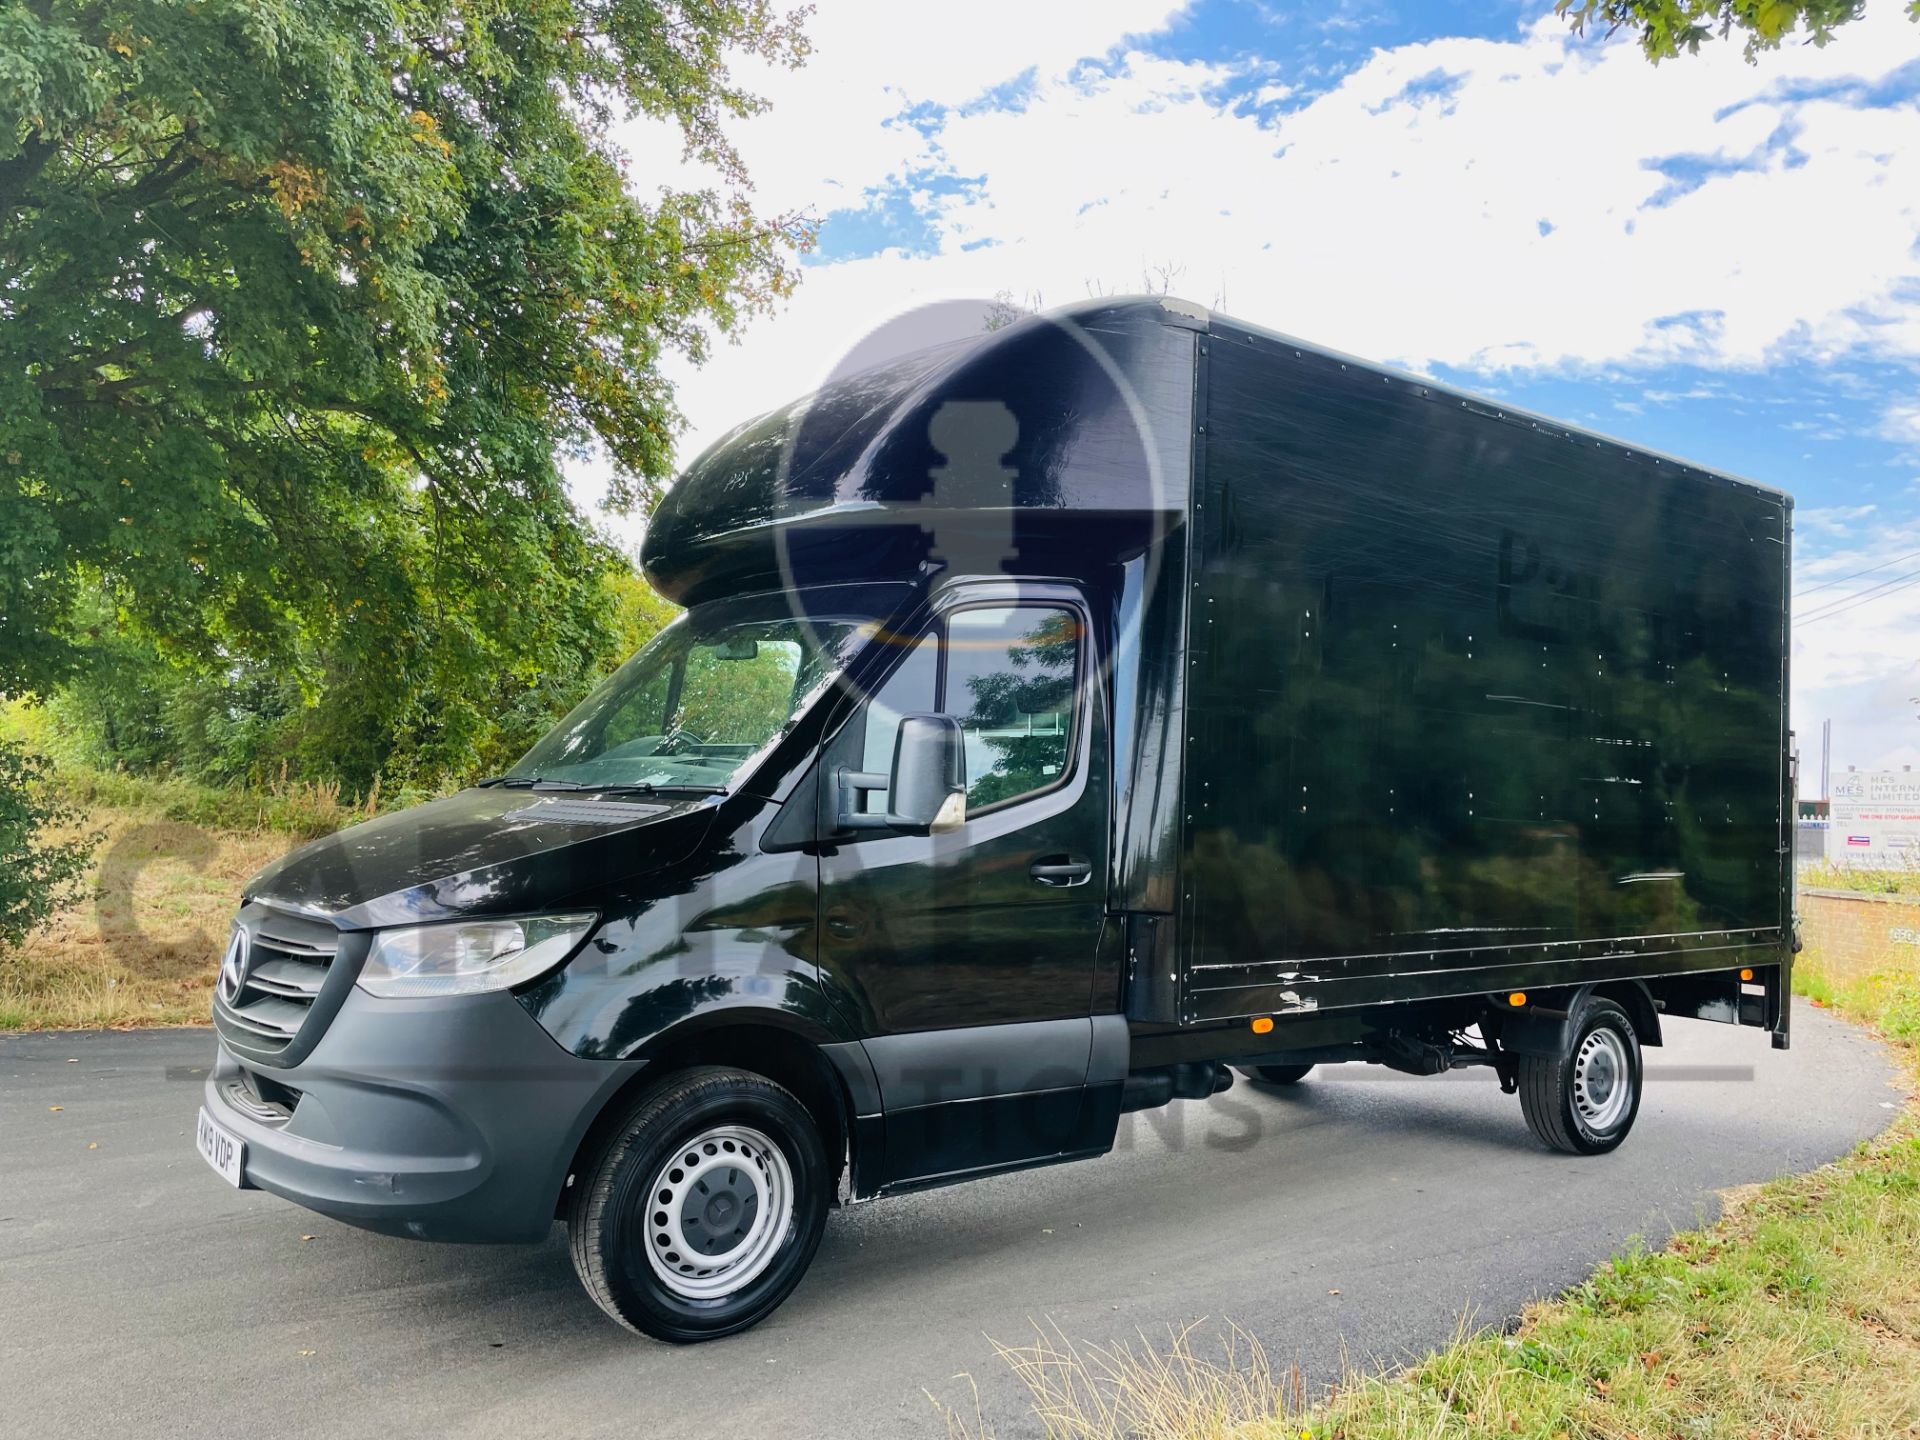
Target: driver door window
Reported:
[(1009, 680), (912, 689), (1009, 674)]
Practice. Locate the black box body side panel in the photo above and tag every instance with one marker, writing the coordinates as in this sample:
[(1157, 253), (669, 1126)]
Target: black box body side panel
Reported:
[(1473, 701), (1780, 1006)]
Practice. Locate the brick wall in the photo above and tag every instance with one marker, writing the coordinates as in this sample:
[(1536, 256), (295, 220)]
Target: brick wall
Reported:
[(1851, 936)]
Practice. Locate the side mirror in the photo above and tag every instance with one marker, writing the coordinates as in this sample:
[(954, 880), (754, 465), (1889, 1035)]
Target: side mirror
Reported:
[(927, 789)]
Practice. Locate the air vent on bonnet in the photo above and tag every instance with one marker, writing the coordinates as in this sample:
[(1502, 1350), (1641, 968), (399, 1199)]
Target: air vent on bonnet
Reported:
[(583, 812)]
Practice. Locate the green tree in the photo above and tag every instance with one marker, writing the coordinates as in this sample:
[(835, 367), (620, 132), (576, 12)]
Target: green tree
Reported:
[(128, 707), (304, 302), (1666, 27), (37, 876)]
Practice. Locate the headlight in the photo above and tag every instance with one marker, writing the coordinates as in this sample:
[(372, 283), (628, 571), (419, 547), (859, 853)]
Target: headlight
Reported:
[(470, 956)]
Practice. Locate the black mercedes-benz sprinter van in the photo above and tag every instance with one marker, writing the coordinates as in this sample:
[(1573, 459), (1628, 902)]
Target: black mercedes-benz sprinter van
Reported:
[(1057, 719)]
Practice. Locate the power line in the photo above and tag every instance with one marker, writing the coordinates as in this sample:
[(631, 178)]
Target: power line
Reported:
[(1853, 602), (1859, 597), (1842, 579)]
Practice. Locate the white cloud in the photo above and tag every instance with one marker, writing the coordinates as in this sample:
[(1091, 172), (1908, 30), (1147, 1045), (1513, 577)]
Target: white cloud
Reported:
[(1834, 517), (1902, 423), (1408, 226), (1395, 224), (835, 126)]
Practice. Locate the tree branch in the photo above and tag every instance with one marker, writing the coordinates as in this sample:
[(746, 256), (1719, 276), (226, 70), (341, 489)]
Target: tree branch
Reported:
[(19, 170)]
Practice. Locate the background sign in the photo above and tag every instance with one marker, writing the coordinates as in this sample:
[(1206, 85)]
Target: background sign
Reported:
[(1876, 819)]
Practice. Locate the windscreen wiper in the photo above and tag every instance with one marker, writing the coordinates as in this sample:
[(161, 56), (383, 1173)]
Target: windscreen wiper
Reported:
[(615, 787), (650, 787)]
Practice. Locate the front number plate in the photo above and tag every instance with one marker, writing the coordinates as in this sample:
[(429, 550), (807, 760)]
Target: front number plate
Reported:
[(220, 1149)]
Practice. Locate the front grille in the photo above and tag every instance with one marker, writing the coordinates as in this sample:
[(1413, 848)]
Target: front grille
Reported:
[(289, 959)]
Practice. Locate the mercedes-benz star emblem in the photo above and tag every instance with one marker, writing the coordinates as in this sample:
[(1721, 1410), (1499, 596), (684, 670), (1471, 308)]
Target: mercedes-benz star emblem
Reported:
[(233, 966)]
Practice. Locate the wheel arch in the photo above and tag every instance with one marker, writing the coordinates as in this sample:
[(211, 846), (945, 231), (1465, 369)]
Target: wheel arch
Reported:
[(1633, 997), (1546, 1027), (771, 1043)]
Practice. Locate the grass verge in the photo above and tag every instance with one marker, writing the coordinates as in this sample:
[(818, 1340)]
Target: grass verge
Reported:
[(1797, 1314), (143, 945), (1825, 876)]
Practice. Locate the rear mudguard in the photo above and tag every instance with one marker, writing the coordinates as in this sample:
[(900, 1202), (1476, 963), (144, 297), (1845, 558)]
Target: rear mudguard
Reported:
[(1545, 1026)]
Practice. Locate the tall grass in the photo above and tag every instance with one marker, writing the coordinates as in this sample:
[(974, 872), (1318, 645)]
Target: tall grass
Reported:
[(142, 944), (1184, 1390), (303, 809)]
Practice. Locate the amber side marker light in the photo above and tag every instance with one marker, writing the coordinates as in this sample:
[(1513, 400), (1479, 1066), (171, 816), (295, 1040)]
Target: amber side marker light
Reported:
[(1262, 1025), (1517, 998), (1746, 974)]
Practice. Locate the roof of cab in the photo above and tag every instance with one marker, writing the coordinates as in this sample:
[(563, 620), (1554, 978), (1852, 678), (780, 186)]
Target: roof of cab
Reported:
[(1085, 409)]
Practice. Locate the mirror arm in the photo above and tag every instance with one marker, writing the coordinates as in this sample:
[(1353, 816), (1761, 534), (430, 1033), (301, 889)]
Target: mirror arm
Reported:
[(851, 783)]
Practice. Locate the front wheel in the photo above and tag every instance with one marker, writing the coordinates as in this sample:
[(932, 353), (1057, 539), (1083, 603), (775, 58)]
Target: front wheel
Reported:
[(1585, 1101), (703, 1209)]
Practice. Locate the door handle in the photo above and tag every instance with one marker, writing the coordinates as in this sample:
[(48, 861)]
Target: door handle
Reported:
[(1060, 870)]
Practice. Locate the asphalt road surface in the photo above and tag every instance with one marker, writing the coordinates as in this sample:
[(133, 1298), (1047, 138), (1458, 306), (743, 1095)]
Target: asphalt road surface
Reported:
[(1356, 1214)]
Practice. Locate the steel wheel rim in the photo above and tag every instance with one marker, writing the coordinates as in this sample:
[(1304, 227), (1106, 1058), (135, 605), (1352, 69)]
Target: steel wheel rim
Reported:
[(1602, 1079), (718, 1212)]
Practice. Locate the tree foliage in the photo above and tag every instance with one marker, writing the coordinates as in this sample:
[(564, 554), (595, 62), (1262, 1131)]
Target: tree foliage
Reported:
[(37, 876), (304, 302), (1667, 27), (247, 723)]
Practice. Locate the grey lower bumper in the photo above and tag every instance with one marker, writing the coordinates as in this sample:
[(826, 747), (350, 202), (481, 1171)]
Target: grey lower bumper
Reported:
[(444, 1119)]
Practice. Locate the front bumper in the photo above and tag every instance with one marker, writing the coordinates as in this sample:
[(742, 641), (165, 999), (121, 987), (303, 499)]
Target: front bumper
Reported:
[(440, 1119)]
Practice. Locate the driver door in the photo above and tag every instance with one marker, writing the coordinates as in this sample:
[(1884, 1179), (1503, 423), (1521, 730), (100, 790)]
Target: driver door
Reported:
[(971, 953)]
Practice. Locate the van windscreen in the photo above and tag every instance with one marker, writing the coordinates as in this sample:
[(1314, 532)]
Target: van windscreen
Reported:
[(691, 708)]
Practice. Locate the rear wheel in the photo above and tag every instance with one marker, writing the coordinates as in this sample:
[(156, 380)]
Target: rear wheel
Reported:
[(1277, 1074), (704, 1208), (1585, 1101)]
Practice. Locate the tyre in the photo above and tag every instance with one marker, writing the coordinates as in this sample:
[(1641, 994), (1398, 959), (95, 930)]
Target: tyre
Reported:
[(703, 1209), (1277, 1074), (1585, 1101)]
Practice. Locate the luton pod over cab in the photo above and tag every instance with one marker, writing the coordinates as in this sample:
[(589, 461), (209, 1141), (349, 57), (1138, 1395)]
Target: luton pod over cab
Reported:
[(1060, 721)]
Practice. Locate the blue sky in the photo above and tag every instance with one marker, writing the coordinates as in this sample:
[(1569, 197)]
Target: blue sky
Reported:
[(1712, 258)]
